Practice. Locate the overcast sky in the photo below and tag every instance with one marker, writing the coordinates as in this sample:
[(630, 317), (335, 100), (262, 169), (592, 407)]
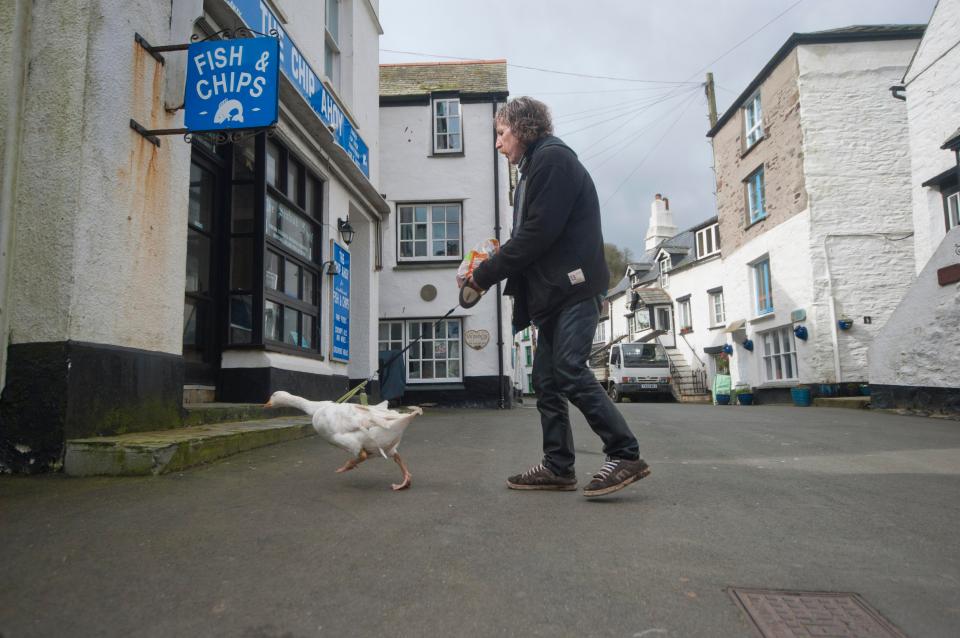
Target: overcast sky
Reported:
[(636, 138)]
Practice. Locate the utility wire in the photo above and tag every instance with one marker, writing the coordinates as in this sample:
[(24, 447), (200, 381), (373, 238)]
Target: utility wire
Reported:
[(610, 119), (613, 107), (542, 70), (649, 153)]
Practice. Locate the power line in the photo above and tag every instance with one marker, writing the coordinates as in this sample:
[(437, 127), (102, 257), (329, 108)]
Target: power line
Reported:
[(649, 153), (614, 106), (616, 117), (540, 69)]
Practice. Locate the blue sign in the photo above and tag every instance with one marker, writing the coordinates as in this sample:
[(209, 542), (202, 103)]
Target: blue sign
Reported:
[(259, 17), (231, 84), (340, 349)]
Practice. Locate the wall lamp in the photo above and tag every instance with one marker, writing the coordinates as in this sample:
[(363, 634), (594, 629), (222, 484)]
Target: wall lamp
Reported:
[(346, 230)]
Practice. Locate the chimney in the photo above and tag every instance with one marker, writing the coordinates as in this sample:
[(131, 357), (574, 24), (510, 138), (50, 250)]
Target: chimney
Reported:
[(661, 225)]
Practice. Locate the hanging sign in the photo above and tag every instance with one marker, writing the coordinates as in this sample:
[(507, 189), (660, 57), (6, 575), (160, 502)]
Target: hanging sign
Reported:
[(231, 84), (340, 305), (305, 80)]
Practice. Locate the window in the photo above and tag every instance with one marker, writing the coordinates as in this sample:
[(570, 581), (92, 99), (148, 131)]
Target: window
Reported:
[(756, 202), (331, 47), (291, 273), (429, 232), (717, 316), (529, 383), (779, 355), (447, 135), (528, 351), (708, 241), (761, 287), (436, 357), (685, 318), (664, 263), (631, 325), (600, 335), (753, 121), (951, 203)]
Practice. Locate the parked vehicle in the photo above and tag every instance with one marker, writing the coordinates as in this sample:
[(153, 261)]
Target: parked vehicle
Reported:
[(632, 370)]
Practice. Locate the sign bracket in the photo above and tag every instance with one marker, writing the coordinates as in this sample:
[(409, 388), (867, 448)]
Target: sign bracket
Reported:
[(214, 137)]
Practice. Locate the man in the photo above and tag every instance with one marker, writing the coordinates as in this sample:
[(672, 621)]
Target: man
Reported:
[(557, 275)]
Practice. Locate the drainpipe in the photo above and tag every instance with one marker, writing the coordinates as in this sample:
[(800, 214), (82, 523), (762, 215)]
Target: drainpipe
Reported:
[(496, 230), (8, 180)]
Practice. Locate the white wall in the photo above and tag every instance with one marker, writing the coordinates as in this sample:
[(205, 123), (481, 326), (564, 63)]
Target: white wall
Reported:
[(790, 270), (410, 174), (100, 212), (933, 95), (920, 342), (857, 173), (695, 280)]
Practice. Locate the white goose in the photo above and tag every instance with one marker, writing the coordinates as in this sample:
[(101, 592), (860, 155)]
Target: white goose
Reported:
[(358, 429)]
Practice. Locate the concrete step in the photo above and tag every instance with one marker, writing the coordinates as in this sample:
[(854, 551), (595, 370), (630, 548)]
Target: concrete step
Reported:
[(695, 398), (204, 413), (162, 451), (855, 403)]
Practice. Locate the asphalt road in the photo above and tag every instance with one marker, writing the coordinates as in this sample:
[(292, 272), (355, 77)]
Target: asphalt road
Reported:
[(273, 543)]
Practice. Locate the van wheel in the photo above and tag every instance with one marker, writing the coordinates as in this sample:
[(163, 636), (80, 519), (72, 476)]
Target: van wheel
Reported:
[(615, 395)]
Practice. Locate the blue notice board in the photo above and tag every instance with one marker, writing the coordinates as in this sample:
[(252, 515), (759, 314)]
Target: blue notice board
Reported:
[(340, 344), (232, 84)]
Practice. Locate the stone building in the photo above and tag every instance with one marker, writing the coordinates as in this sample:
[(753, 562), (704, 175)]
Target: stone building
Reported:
[(814, 208), (139, 270), (448, 190), (913, 361)]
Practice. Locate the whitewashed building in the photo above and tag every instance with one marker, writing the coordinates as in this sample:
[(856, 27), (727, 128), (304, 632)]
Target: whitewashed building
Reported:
[(913, 361), (448, 190), (138, 270), (814, 210)]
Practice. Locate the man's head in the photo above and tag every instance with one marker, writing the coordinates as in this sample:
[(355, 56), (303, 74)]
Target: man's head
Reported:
[(519, 123)]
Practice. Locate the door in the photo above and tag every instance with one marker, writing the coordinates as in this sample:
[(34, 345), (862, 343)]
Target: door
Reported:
[(663, 318), (201, 348)]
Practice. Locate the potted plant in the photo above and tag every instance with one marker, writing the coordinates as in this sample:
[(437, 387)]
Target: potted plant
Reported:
[(744, 394)]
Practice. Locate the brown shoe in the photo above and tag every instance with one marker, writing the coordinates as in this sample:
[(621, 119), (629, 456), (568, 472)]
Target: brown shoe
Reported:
[(615, 475), (541, 478)]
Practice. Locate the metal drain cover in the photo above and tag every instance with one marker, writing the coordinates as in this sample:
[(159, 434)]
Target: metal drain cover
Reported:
[(802, 614)]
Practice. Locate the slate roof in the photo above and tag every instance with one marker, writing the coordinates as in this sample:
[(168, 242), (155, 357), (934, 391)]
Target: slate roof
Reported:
[(856, 33), (481, 77)]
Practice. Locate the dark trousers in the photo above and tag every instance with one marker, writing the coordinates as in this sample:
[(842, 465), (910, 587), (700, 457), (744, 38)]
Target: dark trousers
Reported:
[(560, 372)]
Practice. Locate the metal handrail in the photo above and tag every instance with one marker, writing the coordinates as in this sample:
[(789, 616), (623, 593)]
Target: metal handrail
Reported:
[(698, 378)]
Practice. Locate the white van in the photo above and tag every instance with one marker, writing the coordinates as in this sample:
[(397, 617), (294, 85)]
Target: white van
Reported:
[(635, 369)]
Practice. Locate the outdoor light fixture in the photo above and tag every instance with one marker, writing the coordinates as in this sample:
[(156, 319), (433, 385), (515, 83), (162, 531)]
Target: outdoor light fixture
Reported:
[(346, 230)]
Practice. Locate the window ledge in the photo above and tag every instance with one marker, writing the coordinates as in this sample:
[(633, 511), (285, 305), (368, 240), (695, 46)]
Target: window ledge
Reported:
[(427, 265), (748, 149), (453, 154), (454, 385), (769, 315), (751, 224), (786, 383), (720, 327)]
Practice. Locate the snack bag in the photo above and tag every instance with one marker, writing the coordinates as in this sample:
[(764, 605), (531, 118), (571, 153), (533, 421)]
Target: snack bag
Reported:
[(484, 250), (480, 253)]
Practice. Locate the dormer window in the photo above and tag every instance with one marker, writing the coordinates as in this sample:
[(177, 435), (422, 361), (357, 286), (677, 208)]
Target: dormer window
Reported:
[(447, 132), (664, 263), (708, 241), (753, 121)]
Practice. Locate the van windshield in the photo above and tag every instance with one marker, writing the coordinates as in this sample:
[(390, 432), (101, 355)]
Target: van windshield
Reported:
[(643, 355)]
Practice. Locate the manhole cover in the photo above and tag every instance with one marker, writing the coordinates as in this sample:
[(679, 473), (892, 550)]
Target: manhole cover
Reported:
[(801, 614)]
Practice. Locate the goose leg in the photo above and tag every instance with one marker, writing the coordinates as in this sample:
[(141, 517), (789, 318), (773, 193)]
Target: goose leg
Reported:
[(406, 474), (352, 463)]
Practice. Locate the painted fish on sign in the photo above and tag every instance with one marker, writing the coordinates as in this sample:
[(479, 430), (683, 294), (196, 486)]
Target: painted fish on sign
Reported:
[(231, 84)]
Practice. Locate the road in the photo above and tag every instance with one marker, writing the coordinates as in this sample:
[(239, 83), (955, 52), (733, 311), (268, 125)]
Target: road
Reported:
[(272, 543)]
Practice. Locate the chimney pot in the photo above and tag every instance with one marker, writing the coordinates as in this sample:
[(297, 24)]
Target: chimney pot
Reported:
[(666, 202), (659, 196)]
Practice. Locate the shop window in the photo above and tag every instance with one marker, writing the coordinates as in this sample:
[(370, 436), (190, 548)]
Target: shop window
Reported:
[(436, 357), (779, 355)]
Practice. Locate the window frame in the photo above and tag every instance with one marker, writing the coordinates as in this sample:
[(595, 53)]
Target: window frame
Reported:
[(752, 121), (434, 119), (762, 286), (708, 236), (684, 315), (407, 339), (664, 266), (783, 357), (331, 45), (951, 218), (428, 258), (716, 319), (755, 185)]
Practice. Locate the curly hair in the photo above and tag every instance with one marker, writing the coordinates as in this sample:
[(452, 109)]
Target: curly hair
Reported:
[(528, 119)]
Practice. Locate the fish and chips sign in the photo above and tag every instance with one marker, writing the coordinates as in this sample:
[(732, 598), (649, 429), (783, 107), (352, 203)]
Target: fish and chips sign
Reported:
[(232, 84)]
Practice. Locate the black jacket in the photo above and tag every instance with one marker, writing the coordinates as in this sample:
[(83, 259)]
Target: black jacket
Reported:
[(555, 256)]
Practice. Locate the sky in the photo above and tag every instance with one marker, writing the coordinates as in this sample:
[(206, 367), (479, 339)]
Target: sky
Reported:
[(641, 128)]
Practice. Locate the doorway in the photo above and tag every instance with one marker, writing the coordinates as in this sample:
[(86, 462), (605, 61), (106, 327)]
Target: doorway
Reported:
[(663, 316)]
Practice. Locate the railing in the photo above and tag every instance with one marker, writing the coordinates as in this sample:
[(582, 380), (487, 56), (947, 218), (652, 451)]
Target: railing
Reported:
[(698, 377)]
